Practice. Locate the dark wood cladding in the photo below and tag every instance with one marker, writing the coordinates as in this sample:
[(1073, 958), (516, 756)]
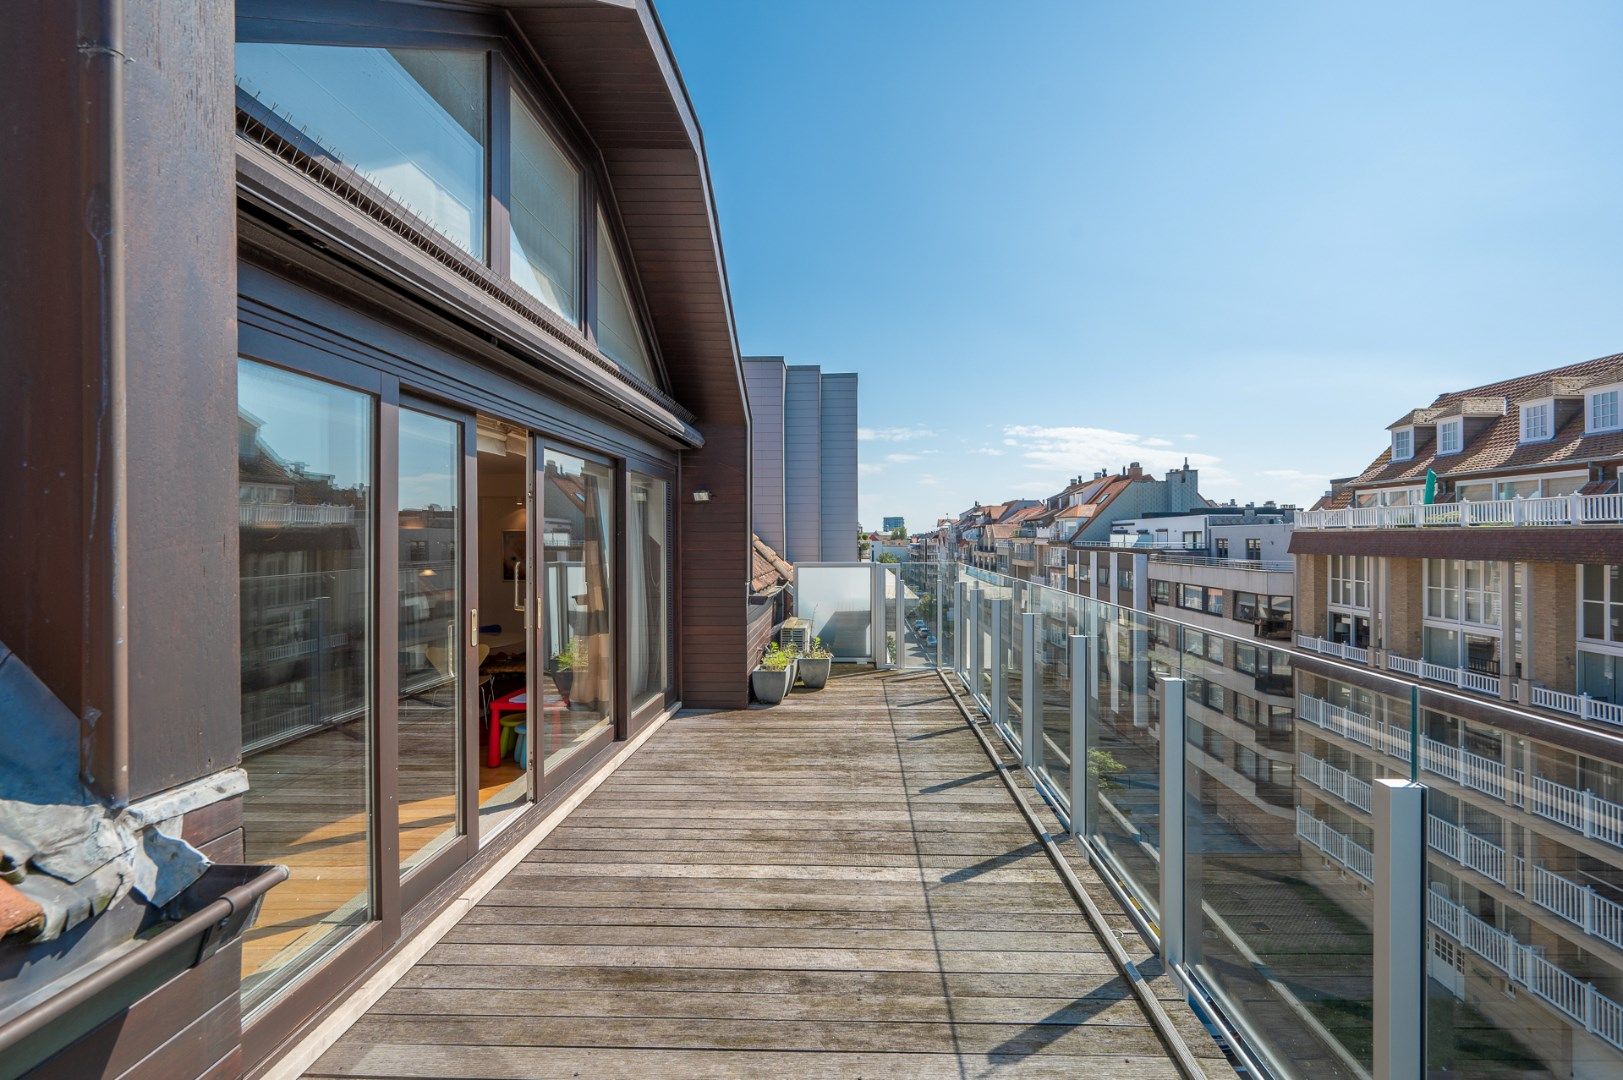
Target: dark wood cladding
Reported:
[(612, 66), (118, 538), (1553, 544), (713, 587)]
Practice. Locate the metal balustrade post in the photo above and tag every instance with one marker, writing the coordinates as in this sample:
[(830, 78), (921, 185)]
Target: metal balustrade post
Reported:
[(975, 631), (1000, 690), (960, 635), (901, 620), (1399, 1020), (1031, 707), (940, 613), (1172, 816), (1081, 782)]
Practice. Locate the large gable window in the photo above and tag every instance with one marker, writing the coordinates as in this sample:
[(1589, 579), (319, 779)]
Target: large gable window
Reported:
[(544, 237), (409, 121), (1403, 444), (1449, 436), (618, 332)]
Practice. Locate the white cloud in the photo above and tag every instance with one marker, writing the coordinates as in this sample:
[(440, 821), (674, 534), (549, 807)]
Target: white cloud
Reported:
[(1189, 435), (901, 459), (894, 434), (928, 481), (865, 469), (989, 451), (1081, 450), (1295, 476)]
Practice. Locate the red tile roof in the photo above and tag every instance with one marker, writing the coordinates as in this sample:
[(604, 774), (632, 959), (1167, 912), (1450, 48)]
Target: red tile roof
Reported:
[(768, 569), (1496, 447)]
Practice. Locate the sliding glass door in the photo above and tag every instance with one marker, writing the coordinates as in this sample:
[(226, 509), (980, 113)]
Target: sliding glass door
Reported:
[(434, 660), (575, 501), (647, 600), (307, 504)]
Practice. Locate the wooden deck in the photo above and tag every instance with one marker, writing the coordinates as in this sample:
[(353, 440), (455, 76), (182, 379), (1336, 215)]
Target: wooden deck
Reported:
[(838, 887)]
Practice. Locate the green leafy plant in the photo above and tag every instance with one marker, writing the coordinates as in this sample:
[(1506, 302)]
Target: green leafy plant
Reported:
[(572, 657), (889, 557), (1104, 768), (817, 651), (776, 658)]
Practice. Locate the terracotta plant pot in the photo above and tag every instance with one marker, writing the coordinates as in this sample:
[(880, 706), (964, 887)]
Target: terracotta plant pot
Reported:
[(771, 687), (814, 671)]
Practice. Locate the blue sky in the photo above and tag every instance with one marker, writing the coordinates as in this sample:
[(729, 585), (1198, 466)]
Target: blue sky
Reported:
[(1056, 237)]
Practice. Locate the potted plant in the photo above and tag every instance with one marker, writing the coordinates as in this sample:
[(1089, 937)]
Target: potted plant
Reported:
[(813, 668), (774, 675), (570, 659)]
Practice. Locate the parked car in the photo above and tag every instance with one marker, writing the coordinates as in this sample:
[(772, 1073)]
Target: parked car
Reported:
[(930, 641)]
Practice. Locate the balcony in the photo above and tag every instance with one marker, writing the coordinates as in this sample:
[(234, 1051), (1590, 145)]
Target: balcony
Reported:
[(1551, 510), (1580, 705), (842, 882), (1476, 681), (296, 515), (1326, 647), (1056, 558), (1581, 811)]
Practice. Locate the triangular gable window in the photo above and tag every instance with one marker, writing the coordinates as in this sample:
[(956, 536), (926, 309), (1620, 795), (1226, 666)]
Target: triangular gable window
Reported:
[(618, 332)]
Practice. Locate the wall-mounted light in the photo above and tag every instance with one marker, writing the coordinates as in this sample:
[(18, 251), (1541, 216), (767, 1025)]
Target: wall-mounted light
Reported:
[(702, 495)]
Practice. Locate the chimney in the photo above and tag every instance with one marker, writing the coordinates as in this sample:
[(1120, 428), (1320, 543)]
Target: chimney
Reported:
[(1134, 470)]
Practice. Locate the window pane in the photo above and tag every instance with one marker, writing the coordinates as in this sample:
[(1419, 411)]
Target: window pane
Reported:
[(430, 709), (411, 121), (618, 332), (544, 238), (578, 505), (648, 539), (304, 462)]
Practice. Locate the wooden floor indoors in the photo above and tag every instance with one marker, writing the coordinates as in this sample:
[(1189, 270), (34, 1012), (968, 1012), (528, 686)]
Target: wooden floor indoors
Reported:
[(837, 887)]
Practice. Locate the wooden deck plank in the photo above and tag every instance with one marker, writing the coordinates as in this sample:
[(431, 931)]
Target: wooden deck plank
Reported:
[(837, 887)]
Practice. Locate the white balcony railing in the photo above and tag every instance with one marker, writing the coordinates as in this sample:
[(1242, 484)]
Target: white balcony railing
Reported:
[(1579, 1001), (1340, 848), (1550, 510), (294, 514), (1581, 811), (1332, 648), (1580, 705), (1338, 782)]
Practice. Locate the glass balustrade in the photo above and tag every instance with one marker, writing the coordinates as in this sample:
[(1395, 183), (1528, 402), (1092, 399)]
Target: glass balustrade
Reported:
[(1277, 771)]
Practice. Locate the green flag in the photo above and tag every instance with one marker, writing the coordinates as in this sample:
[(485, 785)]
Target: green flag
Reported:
[(1431, 487)]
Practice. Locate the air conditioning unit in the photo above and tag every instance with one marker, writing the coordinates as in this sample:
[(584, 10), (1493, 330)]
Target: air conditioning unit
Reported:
[(795, 634)]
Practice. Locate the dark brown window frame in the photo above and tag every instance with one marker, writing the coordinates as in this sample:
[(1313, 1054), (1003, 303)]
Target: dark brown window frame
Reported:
[(509, 65)]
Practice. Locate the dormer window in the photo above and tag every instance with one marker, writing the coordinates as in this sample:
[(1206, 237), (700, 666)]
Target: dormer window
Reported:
[(1604, 409), (1538, 420), (1403, 444), (1449, 436)]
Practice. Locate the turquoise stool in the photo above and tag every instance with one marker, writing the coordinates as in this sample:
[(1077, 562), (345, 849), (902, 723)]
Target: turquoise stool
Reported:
[(521, 748)]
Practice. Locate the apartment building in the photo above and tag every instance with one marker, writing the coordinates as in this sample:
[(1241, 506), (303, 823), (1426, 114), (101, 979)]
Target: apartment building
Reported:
[(803, 459), (1480, 556), (382, 404)]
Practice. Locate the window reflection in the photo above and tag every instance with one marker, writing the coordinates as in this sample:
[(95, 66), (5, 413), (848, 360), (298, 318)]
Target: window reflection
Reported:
[(544, 235), (430, 553), (410, 121), (578, 540), (646, 555), (305, 495)]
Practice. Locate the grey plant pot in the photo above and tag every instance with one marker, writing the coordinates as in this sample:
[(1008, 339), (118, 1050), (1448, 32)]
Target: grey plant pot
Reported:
[(814, 671), (772, 687)]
